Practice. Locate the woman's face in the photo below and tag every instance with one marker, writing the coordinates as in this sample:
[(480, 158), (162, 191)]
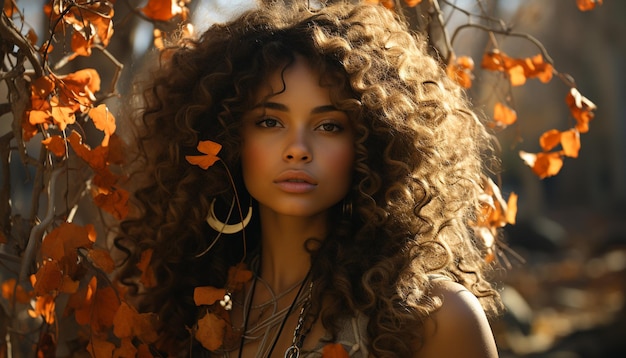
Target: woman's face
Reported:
[(297, 148)]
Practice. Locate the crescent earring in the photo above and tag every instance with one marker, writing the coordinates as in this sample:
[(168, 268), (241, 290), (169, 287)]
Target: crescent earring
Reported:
[(223, 227)]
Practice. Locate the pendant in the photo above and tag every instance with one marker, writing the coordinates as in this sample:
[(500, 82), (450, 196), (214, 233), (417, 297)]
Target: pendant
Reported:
[(292, 352)]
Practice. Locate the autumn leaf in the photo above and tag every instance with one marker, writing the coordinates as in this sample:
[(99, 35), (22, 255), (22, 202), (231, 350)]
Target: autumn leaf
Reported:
[(102, 259), (104, 121), (96, 159), (211, 331), (581, 109), (128, 323), (55, 144), (65, 240), (42, 87), (44, 307), (511, 209), (543, 164), (503, 115), (460, 71), (550, 139), (11, 289), (81, 44), (99, 347), (334, 350), (518, 69), (412, 3), (9, 8), (210, 149), (147, 275), (48, 278), (207, 295), (114, 202), (238, 275), (99, 307), (162, 10), (126, 349), (77, 90), (586, 5), (570, 142)]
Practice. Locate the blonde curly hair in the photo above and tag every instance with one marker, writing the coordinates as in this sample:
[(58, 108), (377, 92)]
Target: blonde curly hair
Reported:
[(416, 179)]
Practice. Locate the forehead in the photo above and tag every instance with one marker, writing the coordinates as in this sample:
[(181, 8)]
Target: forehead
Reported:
[(297, 76)]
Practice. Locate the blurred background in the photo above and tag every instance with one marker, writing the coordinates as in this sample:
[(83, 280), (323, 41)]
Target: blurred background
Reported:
[(566, 292)]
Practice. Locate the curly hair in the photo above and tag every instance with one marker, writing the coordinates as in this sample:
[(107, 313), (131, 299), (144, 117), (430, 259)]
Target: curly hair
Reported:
[(416, 178)]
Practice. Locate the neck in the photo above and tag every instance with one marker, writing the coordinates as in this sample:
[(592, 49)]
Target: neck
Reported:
[(285, 259)]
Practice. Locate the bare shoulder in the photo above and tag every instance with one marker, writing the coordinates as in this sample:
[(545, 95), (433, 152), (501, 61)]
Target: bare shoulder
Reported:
[(459, 328)]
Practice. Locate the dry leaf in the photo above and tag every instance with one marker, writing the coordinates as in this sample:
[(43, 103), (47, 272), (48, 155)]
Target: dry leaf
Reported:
[(55, 144), (207, 295), (504, 115), (211, 331), (210, 149), (570, 141), (334, 350)]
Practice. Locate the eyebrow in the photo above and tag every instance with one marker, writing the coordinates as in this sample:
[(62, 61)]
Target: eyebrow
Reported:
[(284, 108)]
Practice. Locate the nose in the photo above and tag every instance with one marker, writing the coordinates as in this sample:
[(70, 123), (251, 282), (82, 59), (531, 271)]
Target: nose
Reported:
[(297, 148)]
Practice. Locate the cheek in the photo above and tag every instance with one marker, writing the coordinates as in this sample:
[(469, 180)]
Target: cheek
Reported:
[(254, 163), (341, 162)]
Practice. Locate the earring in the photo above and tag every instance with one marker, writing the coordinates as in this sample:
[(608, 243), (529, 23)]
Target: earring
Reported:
[(223, 227), (346, 208)]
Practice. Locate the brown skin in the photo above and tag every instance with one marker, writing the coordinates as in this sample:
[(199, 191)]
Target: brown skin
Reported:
[(459, 328)]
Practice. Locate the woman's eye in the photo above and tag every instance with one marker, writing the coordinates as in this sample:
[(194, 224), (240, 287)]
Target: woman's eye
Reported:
[(330, 127), (268, 123)]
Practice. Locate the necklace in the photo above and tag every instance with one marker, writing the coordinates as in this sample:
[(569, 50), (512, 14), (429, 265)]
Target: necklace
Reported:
[(296, 342), (298, 338)]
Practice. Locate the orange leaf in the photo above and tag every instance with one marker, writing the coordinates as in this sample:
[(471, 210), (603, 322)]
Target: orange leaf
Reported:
[(77, 90), (511, 209), (211, 331), (517, 76), (550, 139), (207, 295), (570, 141), (543, 164), (412, 3), (96, 158), (334, 350), (42, 87), (586, 5), (162, 10), (147, 275), (581, 109), (44, 306), (103, 309), (48, 278), (64, 240), (238, 275), (128, 323), (126, 349), (114, 202), (504, 115), (11, 289), (9, 8), (104, 121), (55, 144), (81, 45), (99, 347), (123, 321), (209, 148), (102, 259), (461, 71), (61, 115)]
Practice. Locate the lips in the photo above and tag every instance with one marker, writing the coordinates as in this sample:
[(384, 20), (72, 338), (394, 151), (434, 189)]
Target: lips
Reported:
[(295, 181)]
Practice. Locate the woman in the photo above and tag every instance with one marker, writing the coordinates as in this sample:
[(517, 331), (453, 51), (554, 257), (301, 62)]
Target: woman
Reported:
[(348, 175)]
